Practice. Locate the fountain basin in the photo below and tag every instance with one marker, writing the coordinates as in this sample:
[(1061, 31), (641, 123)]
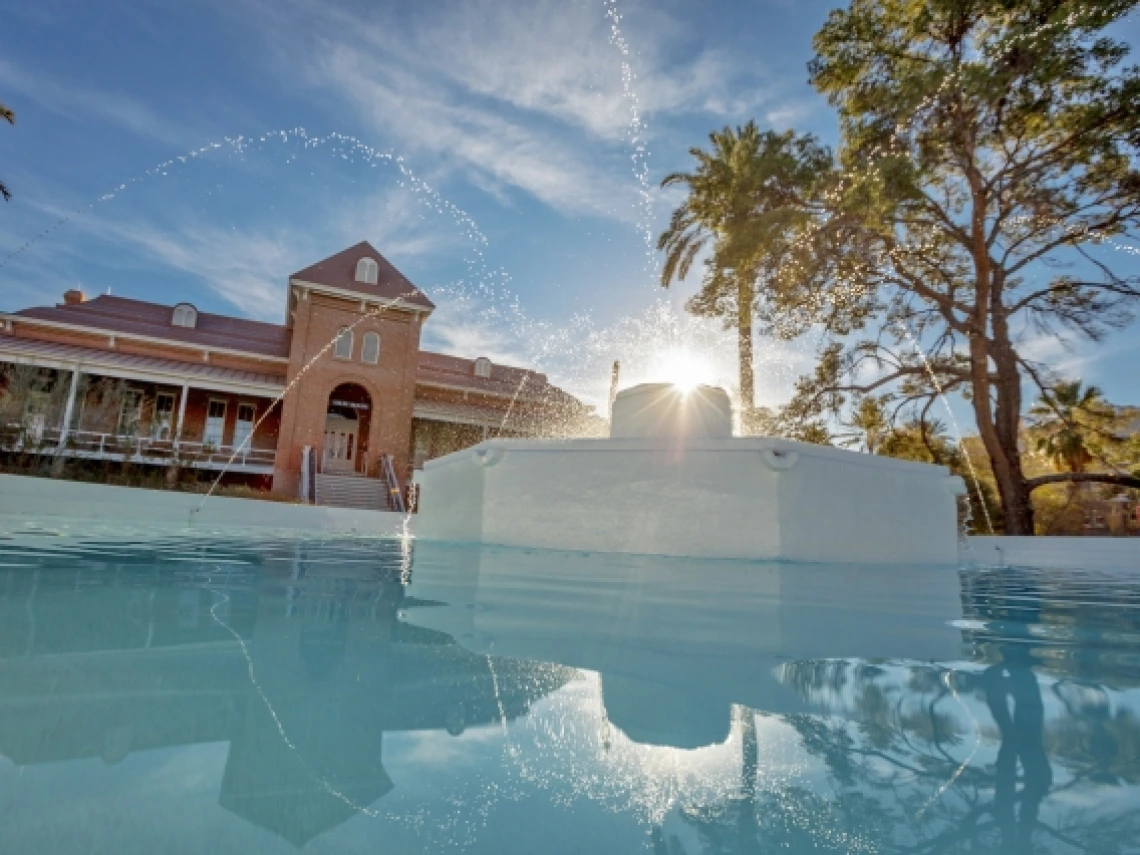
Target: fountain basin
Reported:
[(751, 497)]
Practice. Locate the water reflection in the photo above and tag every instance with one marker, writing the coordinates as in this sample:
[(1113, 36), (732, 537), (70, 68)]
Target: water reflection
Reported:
[(513, 701), (303, 672), (1025, 671)]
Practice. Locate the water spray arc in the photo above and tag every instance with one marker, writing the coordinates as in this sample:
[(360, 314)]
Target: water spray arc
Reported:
[(639, 154)]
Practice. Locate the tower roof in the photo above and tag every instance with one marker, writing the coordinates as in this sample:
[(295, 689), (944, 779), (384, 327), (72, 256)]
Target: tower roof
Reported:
[(339, 271)]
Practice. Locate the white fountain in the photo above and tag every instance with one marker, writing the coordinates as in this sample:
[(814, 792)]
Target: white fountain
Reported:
[(673, 480)]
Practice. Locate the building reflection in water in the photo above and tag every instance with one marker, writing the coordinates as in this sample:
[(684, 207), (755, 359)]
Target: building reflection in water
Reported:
[(301, 672)]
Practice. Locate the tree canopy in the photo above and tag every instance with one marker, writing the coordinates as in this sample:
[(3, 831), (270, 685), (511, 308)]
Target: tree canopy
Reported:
[(988, 156)]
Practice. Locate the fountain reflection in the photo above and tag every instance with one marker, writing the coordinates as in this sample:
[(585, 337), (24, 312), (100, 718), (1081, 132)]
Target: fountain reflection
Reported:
[(928, 712), (679, 641)]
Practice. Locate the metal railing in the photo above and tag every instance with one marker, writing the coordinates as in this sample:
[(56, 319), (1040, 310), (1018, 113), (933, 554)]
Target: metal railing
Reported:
[(395, 494), (95, 445)]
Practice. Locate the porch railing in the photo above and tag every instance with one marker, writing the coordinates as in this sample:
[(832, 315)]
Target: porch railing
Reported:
[(143, 449)]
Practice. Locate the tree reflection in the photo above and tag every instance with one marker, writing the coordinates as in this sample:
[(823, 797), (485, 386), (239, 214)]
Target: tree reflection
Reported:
[(910, 766), (932, 758), (1022, 740)]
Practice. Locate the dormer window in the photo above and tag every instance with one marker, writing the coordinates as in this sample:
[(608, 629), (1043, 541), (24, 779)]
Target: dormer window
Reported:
[(482, 367), (367, 271), (185, 315)]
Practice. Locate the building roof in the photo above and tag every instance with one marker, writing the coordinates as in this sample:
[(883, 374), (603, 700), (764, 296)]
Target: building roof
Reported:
[(123, 315), (116, 315), (461, 413), (339, 271), (137, 317), (115, 363), (442, 370)]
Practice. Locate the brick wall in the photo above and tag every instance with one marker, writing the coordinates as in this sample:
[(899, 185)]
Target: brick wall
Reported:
[(390, 384)]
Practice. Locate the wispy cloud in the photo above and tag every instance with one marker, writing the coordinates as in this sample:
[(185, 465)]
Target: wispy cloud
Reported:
[(244, 267), (69, 98), (554, 58), (246, 270), (528, 97), (426, 118), (1069, 358)]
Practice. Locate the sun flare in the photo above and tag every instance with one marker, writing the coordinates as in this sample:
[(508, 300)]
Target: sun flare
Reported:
[(684, 369)]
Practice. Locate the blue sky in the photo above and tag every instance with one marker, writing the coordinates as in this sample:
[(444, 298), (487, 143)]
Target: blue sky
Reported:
[(486, 147)]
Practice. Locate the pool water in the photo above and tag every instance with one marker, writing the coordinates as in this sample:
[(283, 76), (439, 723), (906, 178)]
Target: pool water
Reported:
[(184, 691)]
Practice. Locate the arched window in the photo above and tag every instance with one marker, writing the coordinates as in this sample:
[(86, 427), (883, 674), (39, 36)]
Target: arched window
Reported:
[(370, 348), (343, 347), (366, 271), (482, 367), (185, 315)]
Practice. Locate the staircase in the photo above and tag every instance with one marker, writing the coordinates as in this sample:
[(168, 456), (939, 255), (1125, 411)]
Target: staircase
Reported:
[(352, 491)]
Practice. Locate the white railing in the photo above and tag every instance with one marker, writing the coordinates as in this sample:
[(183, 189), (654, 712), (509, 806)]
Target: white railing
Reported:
[(139, 449)]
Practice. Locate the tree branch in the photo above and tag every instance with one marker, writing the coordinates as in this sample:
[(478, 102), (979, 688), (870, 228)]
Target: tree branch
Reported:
[(1132, 481)]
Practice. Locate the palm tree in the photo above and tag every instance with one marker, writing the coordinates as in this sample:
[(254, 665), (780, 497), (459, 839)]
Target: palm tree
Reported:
[(869, 425), (1069, 422), (743, 199), (10, 117)]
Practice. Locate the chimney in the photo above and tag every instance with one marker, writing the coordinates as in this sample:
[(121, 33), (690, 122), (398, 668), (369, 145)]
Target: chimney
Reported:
[(73, 297)]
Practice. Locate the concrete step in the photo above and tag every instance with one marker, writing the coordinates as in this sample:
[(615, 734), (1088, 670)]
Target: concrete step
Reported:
[(352, 491)]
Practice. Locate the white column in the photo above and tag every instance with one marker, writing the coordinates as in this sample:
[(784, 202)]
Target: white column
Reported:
[(69, 410), (181, 413)]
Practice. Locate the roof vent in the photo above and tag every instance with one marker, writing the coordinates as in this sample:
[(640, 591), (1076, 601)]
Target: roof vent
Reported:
[(185, 315), (482, 367), (73, 297)]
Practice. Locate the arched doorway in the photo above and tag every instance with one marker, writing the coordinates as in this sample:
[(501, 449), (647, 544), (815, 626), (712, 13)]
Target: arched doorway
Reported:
[(346, 430)]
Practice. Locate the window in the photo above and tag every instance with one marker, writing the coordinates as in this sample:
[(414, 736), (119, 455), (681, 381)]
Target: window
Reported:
[(370, 349), (366, 271), (343, 347), (482, 367), (185, 315), (163, 419), (215, 423), (129, 413), (244, 427)]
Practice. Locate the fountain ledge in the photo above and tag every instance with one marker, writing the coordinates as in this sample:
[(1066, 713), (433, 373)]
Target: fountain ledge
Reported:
[(696, 493)]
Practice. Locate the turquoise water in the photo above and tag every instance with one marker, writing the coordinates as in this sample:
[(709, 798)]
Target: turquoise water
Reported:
[(192, 692)]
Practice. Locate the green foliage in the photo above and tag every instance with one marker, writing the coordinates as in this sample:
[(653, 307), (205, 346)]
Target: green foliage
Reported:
[(746, 197), (869, 423), (987, 148), (1071, 426), (762, 421)]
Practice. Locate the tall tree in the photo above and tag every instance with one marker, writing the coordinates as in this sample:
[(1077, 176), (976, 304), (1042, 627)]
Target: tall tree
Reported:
[(8, 116), (745, 197), (989, 148)]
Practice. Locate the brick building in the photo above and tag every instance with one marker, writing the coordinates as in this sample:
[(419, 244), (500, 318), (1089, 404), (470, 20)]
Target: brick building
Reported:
[(112, 378)]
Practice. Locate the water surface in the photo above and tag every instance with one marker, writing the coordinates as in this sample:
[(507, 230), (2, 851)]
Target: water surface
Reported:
[(189, 691)]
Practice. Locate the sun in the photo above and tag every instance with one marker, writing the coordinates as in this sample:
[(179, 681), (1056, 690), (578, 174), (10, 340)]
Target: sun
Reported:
[(684, 369)]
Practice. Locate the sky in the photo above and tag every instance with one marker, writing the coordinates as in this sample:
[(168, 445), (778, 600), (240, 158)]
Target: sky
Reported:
[(506, 156)]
